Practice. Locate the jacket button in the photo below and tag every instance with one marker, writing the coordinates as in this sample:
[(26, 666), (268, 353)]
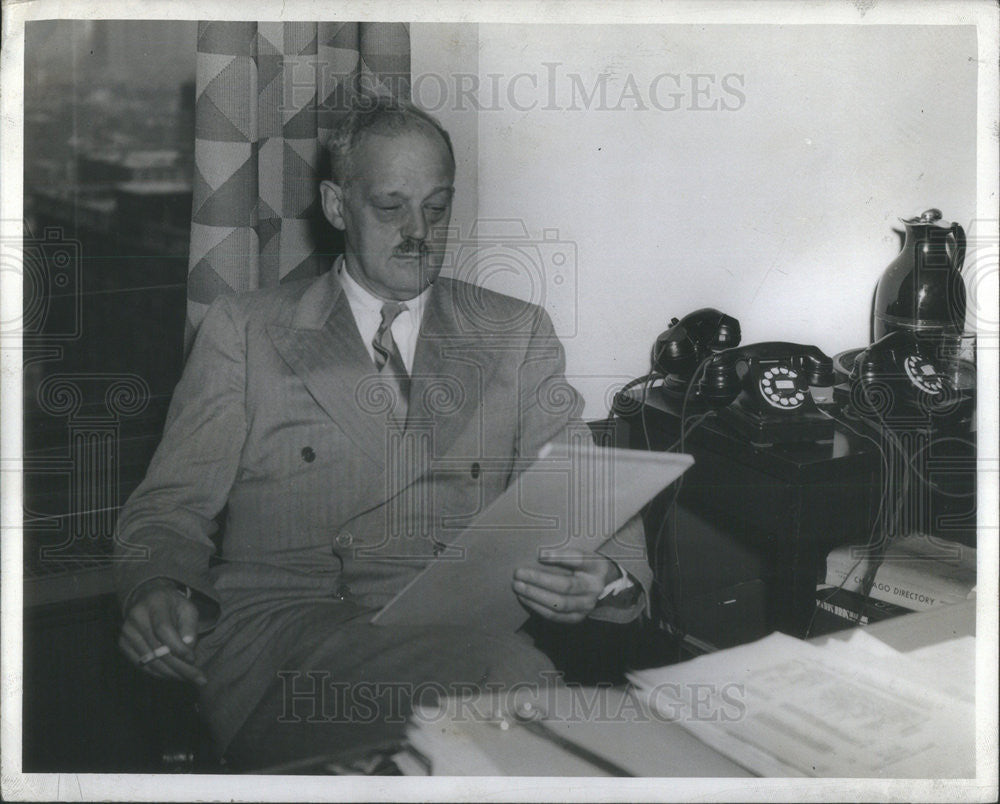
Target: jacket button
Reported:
[(345, 539), (308, 455), (476, 470)]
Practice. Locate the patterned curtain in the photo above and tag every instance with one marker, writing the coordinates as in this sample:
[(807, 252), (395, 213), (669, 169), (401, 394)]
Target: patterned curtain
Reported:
[(267, 95)]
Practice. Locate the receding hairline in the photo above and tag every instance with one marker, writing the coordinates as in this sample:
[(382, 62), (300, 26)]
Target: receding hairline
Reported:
[(395, 123), (431, 134)]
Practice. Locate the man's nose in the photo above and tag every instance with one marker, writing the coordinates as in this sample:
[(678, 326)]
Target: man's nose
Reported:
[(416, 225)]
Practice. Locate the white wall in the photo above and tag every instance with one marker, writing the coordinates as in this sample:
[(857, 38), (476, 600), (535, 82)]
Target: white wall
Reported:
[(438, 54), (775, 201)]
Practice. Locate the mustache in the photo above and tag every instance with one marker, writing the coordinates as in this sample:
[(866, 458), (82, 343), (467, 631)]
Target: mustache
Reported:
[(411, 248)]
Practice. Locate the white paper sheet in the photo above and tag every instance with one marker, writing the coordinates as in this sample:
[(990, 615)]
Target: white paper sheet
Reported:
[(577, 495), (783, 707)]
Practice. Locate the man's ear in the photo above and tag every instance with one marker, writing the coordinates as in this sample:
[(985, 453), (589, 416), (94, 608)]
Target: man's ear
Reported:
[(332, 198)]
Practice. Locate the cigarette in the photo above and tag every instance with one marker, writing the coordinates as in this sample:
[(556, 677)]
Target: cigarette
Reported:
[(160, 652)]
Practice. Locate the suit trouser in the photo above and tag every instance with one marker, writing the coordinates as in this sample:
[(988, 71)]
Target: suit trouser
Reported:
[(353, 688)]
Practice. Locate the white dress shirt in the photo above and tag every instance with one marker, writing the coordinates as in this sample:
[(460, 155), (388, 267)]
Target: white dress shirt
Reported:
[(367, 310)]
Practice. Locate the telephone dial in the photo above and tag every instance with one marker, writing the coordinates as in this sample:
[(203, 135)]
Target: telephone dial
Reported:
[(895, 380), (762, 389)]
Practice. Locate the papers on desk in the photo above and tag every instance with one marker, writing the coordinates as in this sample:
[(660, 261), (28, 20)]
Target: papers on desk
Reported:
[(776, 707), (855, 708), (949, 666)]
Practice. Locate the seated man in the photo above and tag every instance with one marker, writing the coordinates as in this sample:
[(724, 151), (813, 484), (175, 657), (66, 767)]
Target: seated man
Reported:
[(283, 421)]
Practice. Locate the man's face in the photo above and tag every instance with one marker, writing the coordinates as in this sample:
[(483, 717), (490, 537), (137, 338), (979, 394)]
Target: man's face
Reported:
[(394, 209)]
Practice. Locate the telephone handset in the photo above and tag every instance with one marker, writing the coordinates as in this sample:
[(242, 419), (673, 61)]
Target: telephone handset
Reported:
[(895, 379), (679, 350), (764, 390)]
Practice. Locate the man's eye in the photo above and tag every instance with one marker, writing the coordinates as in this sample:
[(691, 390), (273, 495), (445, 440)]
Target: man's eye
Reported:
[(391, 208), (436, 210)]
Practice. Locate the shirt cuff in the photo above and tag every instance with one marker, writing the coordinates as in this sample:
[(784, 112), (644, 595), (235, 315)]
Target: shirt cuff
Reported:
[(622, 584)]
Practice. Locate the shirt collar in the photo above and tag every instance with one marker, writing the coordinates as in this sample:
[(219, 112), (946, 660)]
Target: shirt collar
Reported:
[(361, 296)]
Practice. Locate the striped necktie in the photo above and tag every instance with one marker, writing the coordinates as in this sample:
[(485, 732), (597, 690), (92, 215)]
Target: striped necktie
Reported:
[(389, 361)]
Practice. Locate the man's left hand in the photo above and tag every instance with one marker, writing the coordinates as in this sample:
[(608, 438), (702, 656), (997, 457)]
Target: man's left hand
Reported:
[(566, 588)]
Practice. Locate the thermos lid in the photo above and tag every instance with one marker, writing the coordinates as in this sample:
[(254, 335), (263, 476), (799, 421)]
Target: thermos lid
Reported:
[(930, 217)]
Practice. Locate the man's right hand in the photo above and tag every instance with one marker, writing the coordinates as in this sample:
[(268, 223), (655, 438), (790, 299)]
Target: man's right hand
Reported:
[(162, 617)]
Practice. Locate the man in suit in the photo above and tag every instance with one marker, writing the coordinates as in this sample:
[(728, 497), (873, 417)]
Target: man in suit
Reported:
[(341, 427)]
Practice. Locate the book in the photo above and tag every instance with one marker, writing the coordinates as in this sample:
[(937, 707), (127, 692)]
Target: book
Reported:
[(855, 608), (917, 572)]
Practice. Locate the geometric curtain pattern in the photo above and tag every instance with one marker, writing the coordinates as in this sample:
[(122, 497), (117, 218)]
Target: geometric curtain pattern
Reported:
[(268, 94)]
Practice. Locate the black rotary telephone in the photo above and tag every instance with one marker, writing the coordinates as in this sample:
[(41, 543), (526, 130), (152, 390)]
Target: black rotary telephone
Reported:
[(895, 381), (764, 391), (679, 350)]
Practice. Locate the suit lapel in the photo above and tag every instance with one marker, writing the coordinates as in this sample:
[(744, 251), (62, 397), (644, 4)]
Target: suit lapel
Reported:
[(324, 349), (449, 371)]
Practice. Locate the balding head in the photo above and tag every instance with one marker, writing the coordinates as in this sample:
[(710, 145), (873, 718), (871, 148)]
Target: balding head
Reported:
[(382, 116)]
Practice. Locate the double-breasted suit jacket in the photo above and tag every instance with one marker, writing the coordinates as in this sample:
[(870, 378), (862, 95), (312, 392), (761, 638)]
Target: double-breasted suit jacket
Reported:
[(278, 430)]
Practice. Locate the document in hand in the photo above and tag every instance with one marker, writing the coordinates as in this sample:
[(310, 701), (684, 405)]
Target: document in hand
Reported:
[(574, 495)]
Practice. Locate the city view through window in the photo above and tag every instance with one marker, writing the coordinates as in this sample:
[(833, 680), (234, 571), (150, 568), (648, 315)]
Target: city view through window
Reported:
[(108, 154)]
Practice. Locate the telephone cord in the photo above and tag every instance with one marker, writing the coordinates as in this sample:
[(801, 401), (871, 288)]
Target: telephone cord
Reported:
[(872, 542)]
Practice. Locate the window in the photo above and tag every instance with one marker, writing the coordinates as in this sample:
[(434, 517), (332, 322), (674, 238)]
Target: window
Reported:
[(108, 154)]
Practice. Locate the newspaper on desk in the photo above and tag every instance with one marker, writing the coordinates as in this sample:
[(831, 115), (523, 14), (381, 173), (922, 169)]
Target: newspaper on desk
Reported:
[(784, 707)]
